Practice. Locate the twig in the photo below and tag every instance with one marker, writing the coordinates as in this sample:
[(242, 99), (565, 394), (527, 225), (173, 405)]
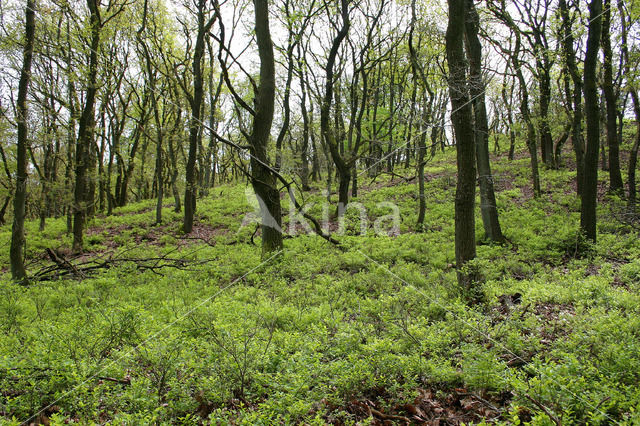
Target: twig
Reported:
[(383, 416), (126, 381), (553, 418)]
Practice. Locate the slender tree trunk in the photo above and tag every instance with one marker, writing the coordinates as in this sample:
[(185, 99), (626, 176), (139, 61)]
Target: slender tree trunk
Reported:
[(16, 254), (329, 136), (488, 206), (287, 91), (194, 124), (615, 176), (569, 55), (633, 162), (112, 148), (545, 98), (526, 114), (212, 150), (592, 110), (633, 155), (263, 180), (422, 148), (315, 158), (408, 133), (531, 131), (462, 119), (85, 132), (127, 172), (71, 138), (419, 77), (174, 161), (509, 118), (151, 80), (304, 152), (3, 209), (100, 157)]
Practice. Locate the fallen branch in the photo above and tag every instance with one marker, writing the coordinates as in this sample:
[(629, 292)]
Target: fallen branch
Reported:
[(125, 381), (63, 263), (63, 267), (390, 417), (393, 174), (538, 404)]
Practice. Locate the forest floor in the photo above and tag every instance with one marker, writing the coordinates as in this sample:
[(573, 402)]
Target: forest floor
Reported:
[(152, 326)]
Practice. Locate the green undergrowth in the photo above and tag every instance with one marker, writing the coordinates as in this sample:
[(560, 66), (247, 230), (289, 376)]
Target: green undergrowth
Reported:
[(228, 338)]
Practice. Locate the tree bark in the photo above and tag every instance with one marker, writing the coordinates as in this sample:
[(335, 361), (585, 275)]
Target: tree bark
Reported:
[(16, 254), (633, 155), (615, 176), (592, 110), (86, 131), (262, 178), (304, 152), (287, 89), (325, 109), (461, 117), (567, 41), (194, 124), (488, 206)]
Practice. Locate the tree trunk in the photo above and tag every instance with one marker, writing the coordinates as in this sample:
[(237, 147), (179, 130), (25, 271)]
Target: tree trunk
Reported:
[(287, 91), (262, 179), (592, 110), (422, 148), (633, 155), (3, 209), (509, 118), (329, 135), (418, 76), (570, 62), (194, 124), (488, 206), (85, 132), (16, 254), (461, 117), (545, 98), (304, 152), (615, 176)]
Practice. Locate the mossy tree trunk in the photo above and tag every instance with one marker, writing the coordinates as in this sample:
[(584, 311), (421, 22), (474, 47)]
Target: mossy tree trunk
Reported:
[(18, 271), (592, 110), (85, 132)]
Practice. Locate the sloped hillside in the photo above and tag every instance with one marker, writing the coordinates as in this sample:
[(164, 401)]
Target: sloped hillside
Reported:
[(150, 326)]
